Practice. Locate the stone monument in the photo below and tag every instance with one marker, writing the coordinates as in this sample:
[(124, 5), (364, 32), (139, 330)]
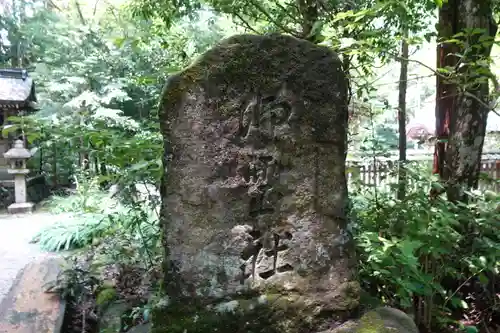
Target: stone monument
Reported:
[(254, 192)]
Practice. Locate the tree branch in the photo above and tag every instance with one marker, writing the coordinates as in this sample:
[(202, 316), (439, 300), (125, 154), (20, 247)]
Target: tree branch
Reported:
[(245, 23), (477, 99), (80, 14), (95, 7), (399, 58), (286, 12), (53, 5), (465, 93), (271, 20)]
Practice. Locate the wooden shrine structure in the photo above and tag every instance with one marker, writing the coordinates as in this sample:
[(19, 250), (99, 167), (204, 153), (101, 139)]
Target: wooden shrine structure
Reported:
[(17, 97)]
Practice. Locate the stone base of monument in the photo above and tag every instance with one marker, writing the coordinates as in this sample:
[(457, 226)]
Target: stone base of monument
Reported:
[(27, 308), (21, 208), (379, 320), (269, 313), (274, 314)]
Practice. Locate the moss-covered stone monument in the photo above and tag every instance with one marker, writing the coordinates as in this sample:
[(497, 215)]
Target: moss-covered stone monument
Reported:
[(254, 192)]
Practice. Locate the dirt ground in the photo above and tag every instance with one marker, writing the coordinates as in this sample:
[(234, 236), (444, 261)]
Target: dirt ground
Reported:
[(16, 232)]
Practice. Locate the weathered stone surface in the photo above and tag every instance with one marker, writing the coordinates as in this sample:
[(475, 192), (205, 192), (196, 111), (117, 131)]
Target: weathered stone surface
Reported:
[(27, 308), (254, 190), (144, 328), (264, 314), (379, 320), (21, 208), (111, 318)]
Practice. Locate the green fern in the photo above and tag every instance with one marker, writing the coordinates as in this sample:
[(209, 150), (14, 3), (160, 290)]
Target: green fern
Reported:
[(73, 233)]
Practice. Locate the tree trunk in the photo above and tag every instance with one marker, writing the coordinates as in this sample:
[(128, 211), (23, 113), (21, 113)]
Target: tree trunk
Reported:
[(403, 85), (462, 105), (445, 91), (468, 121)]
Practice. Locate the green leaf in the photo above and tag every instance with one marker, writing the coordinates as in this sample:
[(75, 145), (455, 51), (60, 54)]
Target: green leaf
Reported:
[(471, 329)]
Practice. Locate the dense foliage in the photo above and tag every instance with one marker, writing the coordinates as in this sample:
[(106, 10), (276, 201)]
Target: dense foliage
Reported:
[(445, 252)]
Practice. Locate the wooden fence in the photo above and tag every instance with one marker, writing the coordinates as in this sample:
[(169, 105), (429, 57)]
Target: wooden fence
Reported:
[(382, 173)]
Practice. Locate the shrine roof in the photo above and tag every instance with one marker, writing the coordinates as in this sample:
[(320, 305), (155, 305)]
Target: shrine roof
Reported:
[(17, 89)]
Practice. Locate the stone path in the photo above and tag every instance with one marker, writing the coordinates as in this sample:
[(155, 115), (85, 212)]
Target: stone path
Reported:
[(16, 252)]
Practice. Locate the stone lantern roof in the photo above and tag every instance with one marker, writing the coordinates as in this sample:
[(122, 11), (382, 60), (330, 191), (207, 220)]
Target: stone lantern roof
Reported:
[(18, 151)]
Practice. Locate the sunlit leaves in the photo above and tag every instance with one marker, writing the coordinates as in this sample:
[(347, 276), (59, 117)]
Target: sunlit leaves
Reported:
[(393, 257), (85, 99)]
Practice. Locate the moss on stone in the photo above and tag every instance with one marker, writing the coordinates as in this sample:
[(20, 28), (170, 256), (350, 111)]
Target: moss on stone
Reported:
[(385, 320), (350, 292), (371, 323), (172, 96), (175, 320), (250, 61), (106, 296), (269, 314), (258, 64)]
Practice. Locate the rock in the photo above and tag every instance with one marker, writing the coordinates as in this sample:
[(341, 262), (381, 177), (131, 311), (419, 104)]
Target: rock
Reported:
[(106, 296), (27, 308), (393, 319), (254, 192), (236, 316), (379, 320), (144, 328), (347, 327), (113, 190), (111, 317)]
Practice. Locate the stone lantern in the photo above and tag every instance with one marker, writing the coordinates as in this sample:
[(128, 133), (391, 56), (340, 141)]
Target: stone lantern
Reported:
[(17, 157)]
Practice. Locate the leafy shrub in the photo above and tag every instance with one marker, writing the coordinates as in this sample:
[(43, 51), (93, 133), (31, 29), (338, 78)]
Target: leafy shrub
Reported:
[(87, 220), (137, 237), (78, 287), (80, 230), (87, 198), (95, 215), (73, 232), (426, 247)]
